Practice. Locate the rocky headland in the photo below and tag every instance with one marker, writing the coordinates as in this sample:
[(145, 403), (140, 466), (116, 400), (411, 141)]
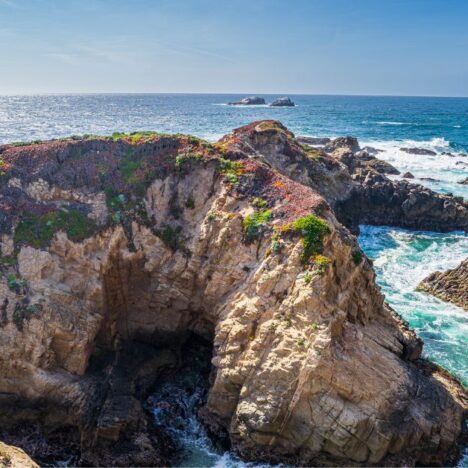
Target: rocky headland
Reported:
[(117, 251), (450, 286)]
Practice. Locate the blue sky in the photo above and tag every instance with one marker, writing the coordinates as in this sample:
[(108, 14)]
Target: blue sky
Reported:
[(392, 47)]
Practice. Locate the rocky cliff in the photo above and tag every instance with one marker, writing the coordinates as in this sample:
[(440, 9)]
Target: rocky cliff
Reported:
[(451, 285), (114, 250)]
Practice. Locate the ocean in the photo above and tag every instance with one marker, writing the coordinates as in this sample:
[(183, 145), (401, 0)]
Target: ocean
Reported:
[(401, 257)]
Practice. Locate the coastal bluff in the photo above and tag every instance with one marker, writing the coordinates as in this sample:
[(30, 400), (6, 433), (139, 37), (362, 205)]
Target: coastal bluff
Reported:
[(116, 250)]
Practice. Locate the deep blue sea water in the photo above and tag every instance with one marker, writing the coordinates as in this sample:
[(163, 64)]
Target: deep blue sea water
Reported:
[(401, 257)]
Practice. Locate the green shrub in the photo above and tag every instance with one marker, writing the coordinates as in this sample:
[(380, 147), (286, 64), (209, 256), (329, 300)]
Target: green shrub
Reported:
[(190, 203), (307, 277), (357, 257), (313, 230), (254, 223)]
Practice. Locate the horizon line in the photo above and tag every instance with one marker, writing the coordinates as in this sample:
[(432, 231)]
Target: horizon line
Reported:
[(182, 93)]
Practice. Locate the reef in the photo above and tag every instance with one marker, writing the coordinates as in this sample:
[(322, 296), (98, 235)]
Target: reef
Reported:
[(116, 251)]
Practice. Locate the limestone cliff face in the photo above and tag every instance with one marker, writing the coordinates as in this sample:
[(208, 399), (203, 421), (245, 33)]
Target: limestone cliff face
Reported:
[(144, 238)]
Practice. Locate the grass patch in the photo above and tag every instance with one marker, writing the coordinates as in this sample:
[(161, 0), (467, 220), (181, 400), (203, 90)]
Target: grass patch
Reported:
[(313, 231)]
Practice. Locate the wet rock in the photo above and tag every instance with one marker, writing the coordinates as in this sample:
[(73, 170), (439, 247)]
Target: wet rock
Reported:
[(464, 181), (249, 101), (407, 175), (450, 286), (419, 151), (429, 179), (282, 102)]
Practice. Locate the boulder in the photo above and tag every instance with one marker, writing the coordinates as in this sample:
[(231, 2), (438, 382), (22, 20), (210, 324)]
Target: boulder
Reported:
[(407, 175), (343, 142), (282, 102), (464, 181), (419, 151), (249, 101)]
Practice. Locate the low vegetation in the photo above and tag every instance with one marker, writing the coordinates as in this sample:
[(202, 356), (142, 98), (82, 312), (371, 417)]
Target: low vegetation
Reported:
[(254, 224), (313, 230), (37, 231)]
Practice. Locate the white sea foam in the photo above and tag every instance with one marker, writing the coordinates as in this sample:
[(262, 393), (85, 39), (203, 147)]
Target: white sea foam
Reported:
[(393, 123)]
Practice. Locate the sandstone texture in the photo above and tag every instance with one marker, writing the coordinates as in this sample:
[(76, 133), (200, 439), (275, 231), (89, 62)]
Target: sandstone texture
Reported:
[(14, 457), (450, 286), (114, 250)]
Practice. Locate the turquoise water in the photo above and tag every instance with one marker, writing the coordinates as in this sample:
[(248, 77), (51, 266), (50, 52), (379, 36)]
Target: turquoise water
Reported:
[(401, 258)]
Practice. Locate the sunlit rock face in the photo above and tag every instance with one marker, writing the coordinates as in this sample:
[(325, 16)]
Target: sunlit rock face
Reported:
[(114, 250)]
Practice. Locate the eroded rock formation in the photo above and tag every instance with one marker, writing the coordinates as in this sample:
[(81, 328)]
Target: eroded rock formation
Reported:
[(450, 285), (114, 250)]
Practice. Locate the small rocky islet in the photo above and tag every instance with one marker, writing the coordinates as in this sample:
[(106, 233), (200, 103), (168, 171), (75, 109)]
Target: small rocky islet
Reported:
[(118, 252), (258, 101)]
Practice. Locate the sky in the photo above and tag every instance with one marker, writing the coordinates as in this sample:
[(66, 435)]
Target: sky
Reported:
[(376, 47)]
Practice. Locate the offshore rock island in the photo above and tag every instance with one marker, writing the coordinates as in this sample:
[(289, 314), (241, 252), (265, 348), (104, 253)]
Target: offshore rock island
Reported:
[(117, 251)]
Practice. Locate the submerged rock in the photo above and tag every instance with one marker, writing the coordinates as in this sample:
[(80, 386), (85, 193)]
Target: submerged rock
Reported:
[(464, 181), (249, 101), (450, 286), (282, 102), (116, 250), (419, 151)]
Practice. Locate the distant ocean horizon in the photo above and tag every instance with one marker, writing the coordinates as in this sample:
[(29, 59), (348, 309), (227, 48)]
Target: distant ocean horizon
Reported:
[(402, 258)]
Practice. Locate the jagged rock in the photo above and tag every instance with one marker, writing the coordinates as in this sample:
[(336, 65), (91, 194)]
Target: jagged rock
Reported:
[(249, 101), (282, 102), (343, 142), (464, 181), (310, 366), (407, 175), (382, 167), (419, 151), (450, 286), (313, 141)]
